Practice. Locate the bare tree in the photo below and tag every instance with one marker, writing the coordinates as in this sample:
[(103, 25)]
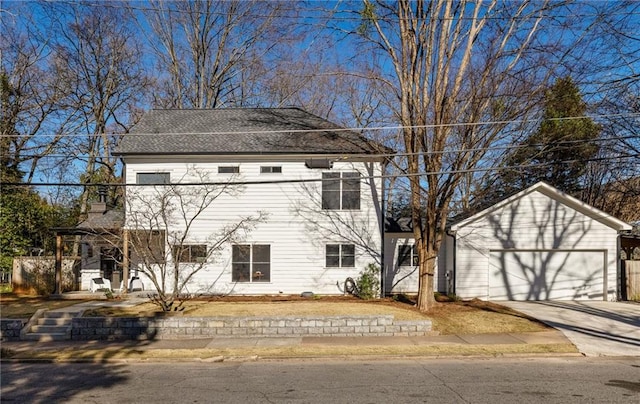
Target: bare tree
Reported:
[(455, 64), (612, 180), (169, 215), (204, 48), (96, 57), (34, 118)]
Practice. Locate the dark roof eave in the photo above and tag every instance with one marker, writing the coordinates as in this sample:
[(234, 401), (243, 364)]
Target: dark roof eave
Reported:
[(82, 231), (242, 153)]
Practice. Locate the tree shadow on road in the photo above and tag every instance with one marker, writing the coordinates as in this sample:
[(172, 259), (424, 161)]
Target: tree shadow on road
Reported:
[(39, 383)]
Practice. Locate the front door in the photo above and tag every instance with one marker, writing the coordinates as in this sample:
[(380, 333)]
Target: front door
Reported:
[(111, 265)]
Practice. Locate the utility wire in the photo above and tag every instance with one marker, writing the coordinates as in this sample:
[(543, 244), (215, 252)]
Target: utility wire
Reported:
[(342, 129), (356, 18), (400, 154), (309, 180)]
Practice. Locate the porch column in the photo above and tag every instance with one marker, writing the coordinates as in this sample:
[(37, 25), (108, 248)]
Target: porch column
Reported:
[(125, 260), (58, 268)]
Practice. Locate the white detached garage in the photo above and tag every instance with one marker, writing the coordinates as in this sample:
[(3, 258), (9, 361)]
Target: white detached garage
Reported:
[(539, 244)]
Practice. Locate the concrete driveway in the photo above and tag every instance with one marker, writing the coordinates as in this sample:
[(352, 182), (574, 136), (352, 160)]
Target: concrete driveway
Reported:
[(596, 328)]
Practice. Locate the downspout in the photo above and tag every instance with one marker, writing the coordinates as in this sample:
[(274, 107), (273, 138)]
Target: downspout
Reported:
[(383, 214), (125, 233), (453, 262)]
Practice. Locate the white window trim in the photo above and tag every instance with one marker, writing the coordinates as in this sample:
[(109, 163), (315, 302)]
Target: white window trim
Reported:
[(271, 167), (341, 190), (413, 255), (235, 167), (340, 255), (251, 262)]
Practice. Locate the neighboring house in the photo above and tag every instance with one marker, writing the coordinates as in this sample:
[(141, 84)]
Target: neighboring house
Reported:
[(539, 244), (101, 244), (307, 190)]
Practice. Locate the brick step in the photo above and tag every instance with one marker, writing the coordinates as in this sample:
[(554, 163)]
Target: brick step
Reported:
[(46, 337), (54, 321), (52, 326), (49, 329), (60, 314)]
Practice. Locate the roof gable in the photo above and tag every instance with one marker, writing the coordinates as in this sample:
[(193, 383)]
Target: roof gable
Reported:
[(557, 195), (110, 220), (240, 131)]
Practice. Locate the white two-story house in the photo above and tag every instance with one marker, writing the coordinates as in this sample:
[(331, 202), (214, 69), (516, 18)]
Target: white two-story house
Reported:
[(250, 201)]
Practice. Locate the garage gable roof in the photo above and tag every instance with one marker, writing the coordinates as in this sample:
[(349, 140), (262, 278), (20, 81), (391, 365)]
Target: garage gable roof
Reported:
[(559, 196)]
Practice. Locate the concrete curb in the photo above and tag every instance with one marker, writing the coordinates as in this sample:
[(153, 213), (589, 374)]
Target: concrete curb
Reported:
[(258, 358)]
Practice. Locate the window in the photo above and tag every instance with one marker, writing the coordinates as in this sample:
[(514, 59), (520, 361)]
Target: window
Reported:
[(251, 263), (341, 191), (190, 253), (228, 169), (407, 256), (153, 178), (341, 255), (270, 169)]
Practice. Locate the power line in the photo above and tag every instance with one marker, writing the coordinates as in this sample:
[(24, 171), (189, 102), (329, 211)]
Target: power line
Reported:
[(351, 129), (448, 151), (562, 143), (357, 18), (310, 180)]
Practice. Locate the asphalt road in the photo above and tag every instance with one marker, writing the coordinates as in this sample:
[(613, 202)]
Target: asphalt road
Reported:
[(498, 380)]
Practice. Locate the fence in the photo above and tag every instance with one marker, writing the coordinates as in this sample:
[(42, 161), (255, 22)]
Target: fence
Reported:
[(632, 279), (36, 275)]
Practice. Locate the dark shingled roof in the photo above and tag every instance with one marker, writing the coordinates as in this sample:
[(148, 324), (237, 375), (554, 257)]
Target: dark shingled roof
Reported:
[(398, 225), (109, 220), (241, 130)]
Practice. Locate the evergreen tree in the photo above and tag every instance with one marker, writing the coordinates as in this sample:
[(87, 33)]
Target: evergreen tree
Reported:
[(559, 150)]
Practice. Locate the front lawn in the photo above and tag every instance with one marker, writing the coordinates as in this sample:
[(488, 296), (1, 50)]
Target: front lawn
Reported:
[(473, 317), (20, 306)]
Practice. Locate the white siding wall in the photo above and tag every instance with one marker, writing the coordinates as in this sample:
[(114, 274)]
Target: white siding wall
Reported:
[(533, 222), (398, 279), (296, 228), (404, 279)]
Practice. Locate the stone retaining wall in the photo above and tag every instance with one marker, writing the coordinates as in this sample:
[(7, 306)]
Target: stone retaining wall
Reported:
[(136, 328), (10, 329)]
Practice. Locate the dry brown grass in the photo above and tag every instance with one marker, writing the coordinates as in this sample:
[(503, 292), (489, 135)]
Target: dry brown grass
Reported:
[(473, 317), (294, 351), (479, 317), (20, 306), (279, 309)]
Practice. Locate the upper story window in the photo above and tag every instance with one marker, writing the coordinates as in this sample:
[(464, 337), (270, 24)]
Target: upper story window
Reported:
[(228, 169), (153, 178), (271, 169), (407, 256), (341, 191), (190, 253)]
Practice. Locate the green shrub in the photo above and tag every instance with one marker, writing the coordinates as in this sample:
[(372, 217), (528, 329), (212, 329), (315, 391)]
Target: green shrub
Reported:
[(369, 282)]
